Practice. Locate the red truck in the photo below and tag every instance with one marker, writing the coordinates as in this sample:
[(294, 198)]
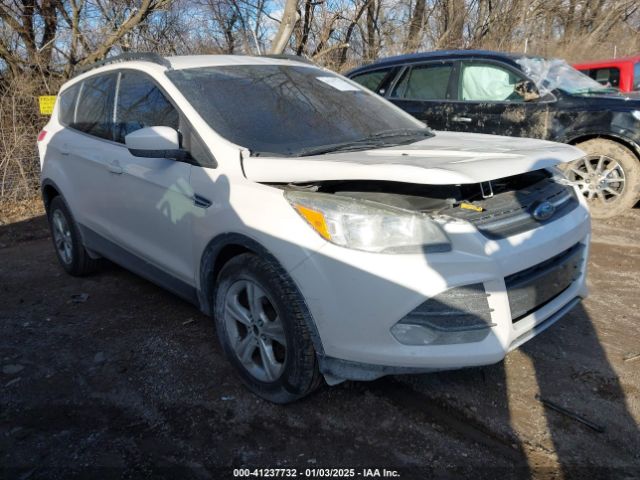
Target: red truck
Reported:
[(622, 73)]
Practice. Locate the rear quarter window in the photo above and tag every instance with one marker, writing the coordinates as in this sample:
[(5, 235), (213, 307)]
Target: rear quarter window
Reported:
[(371, 80), (67, 106)]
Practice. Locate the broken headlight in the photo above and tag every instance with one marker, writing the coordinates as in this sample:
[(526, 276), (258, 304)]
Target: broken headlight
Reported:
[(369, 226)]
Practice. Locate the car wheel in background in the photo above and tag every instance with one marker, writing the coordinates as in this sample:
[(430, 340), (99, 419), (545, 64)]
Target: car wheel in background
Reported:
[(67, 241), (261, 323), (608, 176)]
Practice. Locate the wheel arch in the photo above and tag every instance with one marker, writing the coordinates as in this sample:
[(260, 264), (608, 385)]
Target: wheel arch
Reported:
[(49, 191), (223, 248), (624, 141)]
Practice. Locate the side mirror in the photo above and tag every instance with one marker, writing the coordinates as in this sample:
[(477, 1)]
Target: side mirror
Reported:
[(155, 142), (527, 90)]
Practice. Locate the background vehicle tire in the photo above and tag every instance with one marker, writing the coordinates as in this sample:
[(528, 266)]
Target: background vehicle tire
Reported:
[(261, 324), (609, 177), (67, 241)]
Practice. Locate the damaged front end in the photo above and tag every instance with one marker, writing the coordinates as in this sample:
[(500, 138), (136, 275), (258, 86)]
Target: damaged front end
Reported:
[(497, 208)]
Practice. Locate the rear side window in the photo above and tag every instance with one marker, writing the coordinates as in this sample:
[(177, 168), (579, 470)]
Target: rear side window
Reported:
[(609, 77), (68, 104), (141, 104), (426, 82), (636, 76), (371, 80), (94, 113)]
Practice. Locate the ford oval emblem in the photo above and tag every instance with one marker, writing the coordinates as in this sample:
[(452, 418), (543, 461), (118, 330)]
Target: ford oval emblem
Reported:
[(544, 211)]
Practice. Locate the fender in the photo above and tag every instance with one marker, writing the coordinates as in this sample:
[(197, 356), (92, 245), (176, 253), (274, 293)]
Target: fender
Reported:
[(222, 248), (588, 134)]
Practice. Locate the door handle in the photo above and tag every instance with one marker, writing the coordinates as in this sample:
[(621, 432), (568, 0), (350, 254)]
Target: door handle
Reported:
[(114, 167), (200, 201), (459, 119), (64, 149)]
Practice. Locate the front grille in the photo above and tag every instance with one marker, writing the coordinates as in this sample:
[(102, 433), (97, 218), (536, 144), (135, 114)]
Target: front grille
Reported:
[(510, 212), (531, 289)]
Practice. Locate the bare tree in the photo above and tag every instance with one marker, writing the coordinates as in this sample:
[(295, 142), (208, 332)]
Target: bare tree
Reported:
[(290, 17)]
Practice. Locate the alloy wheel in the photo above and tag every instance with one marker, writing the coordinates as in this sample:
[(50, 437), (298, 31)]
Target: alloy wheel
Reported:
[(598, 177), (62, 237), (255, 330)]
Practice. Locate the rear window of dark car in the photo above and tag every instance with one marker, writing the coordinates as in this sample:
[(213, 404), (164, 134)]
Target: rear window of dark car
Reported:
[(371, 80)]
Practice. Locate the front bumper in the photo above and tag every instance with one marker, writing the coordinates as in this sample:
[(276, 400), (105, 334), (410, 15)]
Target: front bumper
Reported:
[(356, 297)]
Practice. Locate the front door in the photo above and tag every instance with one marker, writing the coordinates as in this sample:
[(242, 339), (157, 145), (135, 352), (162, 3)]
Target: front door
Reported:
[(152, 200), (487, 101)]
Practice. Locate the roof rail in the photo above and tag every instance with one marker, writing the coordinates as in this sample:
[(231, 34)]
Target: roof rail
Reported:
[(295, 58), (126, 57)]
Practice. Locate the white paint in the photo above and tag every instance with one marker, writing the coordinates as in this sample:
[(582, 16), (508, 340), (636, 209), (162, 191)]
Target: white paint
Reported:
[(446, 158), (153, 138)]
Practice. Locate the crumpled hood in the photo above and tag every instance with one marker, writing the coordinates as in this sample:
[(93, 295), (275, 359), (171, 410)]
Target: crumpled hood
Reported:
[(446, 158)]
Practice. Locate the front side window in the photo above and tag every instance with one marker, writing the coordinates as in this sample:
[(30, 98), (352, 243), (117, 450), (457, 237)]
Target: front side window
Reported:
[(426, 82), (94, 112), (67, 106), (636, 76), (486, 82), (371, 80), (141, 104), (287, 110)]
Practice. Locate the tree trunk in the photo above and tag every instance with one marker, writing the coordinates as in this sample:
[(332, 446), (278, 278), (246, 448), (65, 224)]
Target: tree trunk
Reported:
[(289, 19), (414, 37)]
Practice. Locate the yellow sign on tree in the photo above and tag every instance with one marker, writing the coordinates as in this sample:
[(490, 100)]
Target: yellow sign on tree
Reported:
[(46, 104)]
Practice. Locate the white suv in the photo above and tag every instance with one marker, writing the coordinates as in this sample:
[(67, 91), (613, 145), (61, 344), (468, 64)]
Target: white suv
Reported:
[(328, 233)]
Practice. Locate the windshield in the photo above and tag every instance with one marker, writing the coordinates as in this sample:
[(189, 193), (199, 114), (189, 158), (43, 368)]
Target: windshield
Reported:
[(551, 74), (287, 110)]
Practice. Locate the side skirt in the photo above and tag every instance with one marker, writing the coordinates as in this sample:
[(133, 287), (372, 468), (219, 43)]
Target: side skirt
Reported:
[(106, 248)]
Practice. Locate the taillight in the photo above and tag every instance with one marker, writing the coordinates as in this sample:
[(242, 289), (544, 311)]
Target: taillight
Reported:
[(41, 135)]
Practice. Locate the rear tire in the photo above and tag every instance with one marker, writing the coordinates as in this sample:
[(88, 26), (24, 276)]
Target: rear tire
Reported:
[(67, 242), (261, 322), (609, 177)]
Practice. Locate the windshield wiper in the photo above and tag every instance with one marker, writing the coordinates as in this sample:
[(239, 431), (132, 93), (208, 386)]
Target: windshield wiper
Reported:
[(405, 132), (377, 140)]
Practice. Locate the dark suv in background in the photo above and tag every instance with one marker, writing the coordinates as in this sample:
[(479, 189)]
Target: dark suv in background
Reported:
[(523, 96)]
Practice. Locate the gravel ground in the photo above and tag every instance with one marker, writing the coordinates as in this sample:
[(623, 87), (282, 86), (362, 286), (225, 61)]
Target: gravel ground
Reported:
[(110, 376)]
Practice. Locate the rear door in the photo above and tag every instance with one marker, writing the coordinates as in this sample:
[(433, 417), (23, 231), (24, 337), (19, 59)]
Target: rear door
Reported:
[(86, 110), (425, 91), (152, 201), (487, 102)]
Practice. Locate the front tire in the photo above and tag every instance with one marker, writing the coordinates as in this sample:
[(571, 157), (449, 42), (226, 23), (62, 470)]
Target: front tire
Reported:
[(72, 255), (261, 324), (608, 176)]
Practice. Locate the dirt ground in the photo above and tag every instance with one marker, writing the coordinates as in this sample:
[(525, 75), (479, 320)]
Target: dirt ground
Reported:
[(128, 381)]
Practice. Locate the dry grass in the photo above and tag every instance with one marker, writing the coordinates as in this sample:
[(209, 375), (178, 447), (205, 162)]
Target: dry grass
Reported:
[(20, 123), (19, 210)]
